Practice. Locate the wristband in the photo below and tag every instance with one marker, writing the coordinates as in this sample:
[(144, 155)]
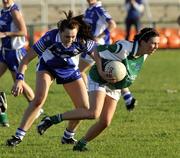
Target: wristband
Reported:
[(19, 76)]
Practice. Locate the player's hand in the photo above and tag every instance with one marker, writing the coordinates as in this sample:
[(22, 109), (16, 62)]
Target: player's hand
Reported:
[(108, 77), (17, 88)]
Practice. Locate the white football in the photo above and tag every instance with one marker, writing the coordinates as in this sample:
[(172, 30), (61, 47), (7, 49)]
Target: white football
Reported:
[(116, 69)]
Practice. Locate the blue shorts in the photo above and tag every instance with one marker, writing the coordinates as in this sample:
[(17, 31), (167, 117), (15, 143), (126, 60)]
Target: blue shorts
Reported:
[(62, 76), (12, 58)]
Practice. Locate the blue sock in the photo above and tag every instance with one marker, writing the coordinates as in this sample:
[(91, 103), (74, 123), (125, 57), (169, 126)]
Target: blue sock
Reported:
[(68, 134), (20, 133), (127, 98), (56, 118)]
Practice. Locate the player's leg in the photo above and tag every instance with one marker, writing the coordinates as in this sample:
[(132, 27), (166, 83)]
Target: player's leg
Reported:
[(17, 56), (130, 101), (85, 62), (78, 94), (103, 122), (3, 113), (128, 28), (3, 68), (137, 24), (27, 90), (43, 82), (83, 67), (3, 108)]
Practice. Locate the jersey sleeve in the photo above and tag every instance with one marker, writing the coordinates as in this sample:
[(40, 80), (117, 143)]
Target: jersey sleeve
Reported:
[(103, 13), (42, 44), (114, 51), (15, 7), (90, 46)]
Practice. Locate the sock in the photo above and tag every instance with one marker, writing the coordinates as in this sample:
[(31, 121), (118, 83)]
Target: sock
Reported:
[(127, 98), (20, 133), (81, 143), (68, 134), (3, 118), (56, 119)]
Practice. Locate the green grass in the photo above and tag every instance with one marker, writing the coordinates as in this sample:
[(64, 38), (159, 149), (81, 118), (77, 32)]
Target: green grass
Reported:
[(152, 130)]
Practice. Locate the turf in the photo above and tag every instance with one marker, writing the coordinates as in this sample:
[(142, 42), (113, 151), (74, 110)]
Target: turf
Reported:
[(152, 130)]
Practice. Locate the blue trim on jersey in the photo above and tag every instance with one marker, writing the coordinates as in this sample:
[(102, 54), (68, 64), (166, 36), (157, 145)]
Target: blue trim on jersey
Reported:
[(98, 17), (61, 75), (6, 21), (134, 49), (57, 58), (51, 41), (12, 58)]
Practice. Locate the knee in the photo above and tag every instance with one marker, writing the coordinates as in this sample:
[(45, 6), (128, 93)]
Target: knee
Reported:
[(94, 114), (105, 123), (37, 102), (84, 106), (29, 97)]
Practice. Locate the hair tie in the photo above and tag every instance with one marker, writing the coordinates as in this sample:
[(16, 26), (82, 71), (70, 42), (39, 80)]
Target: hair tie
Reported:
[(145, 34)]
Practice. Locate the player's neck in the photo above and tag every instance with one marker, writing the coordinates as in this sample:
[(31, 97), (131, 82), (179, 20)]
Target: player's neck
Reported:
[(140, 51)]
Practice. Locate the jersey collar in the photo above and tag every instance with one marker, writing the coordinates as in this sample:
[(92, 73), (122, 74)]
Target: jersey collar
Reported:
[(9, 8), (97, 4), (58, 37), (134, 49)]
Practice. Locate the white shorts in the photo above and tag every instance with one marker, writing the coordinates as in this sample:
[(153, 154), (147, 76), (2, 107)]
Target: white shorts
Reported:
[(94, 86)]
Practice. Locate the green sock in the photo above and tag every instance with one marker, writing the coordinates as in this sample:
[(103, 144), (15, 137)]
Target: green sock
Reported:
[(3, 118), (82, 143), (56, 119)]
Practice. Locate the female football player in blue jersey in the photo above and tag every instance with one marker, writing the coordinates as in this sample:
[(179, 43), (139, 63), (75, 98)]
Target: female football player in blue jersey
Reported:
[(12, 40), (57, 51), (102, 25), (105, 91)]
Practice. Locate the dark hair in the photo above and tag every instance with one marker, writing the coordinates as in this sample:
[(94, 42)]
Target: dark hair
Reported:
[(84, 30), (145, 34), (69, 22)]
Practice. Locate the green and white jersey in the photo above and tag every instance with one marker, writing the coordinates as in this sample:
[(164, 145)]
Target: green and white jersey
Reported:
[(125, 52)]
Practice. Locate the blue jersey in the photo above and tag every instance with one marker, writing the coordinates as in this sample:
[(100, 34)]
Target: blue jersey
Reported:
[(97, 17), (134, 13), (7, 25), (59, 59)]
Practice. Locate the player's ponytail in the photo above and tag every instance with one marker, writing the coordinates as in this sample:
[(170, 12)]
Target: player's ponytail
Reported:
[(84, 30)]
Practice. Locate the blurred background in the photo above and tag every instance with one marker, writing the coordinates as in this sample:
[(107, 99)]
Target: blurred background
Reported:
[(41, 15)]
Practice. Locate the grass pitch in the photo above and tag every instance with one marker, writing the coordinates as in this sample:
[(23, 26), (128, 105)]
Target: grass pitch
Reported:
[(152, 130)]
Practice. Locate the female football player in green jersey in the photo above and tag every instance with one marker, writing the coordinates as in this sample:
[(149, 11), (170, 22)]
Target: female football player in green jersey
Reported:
[(104, 91)]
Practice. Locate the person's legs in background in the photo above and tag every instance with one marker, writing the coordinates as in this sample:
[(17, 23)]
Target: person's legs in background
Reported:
[(3, 101)]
